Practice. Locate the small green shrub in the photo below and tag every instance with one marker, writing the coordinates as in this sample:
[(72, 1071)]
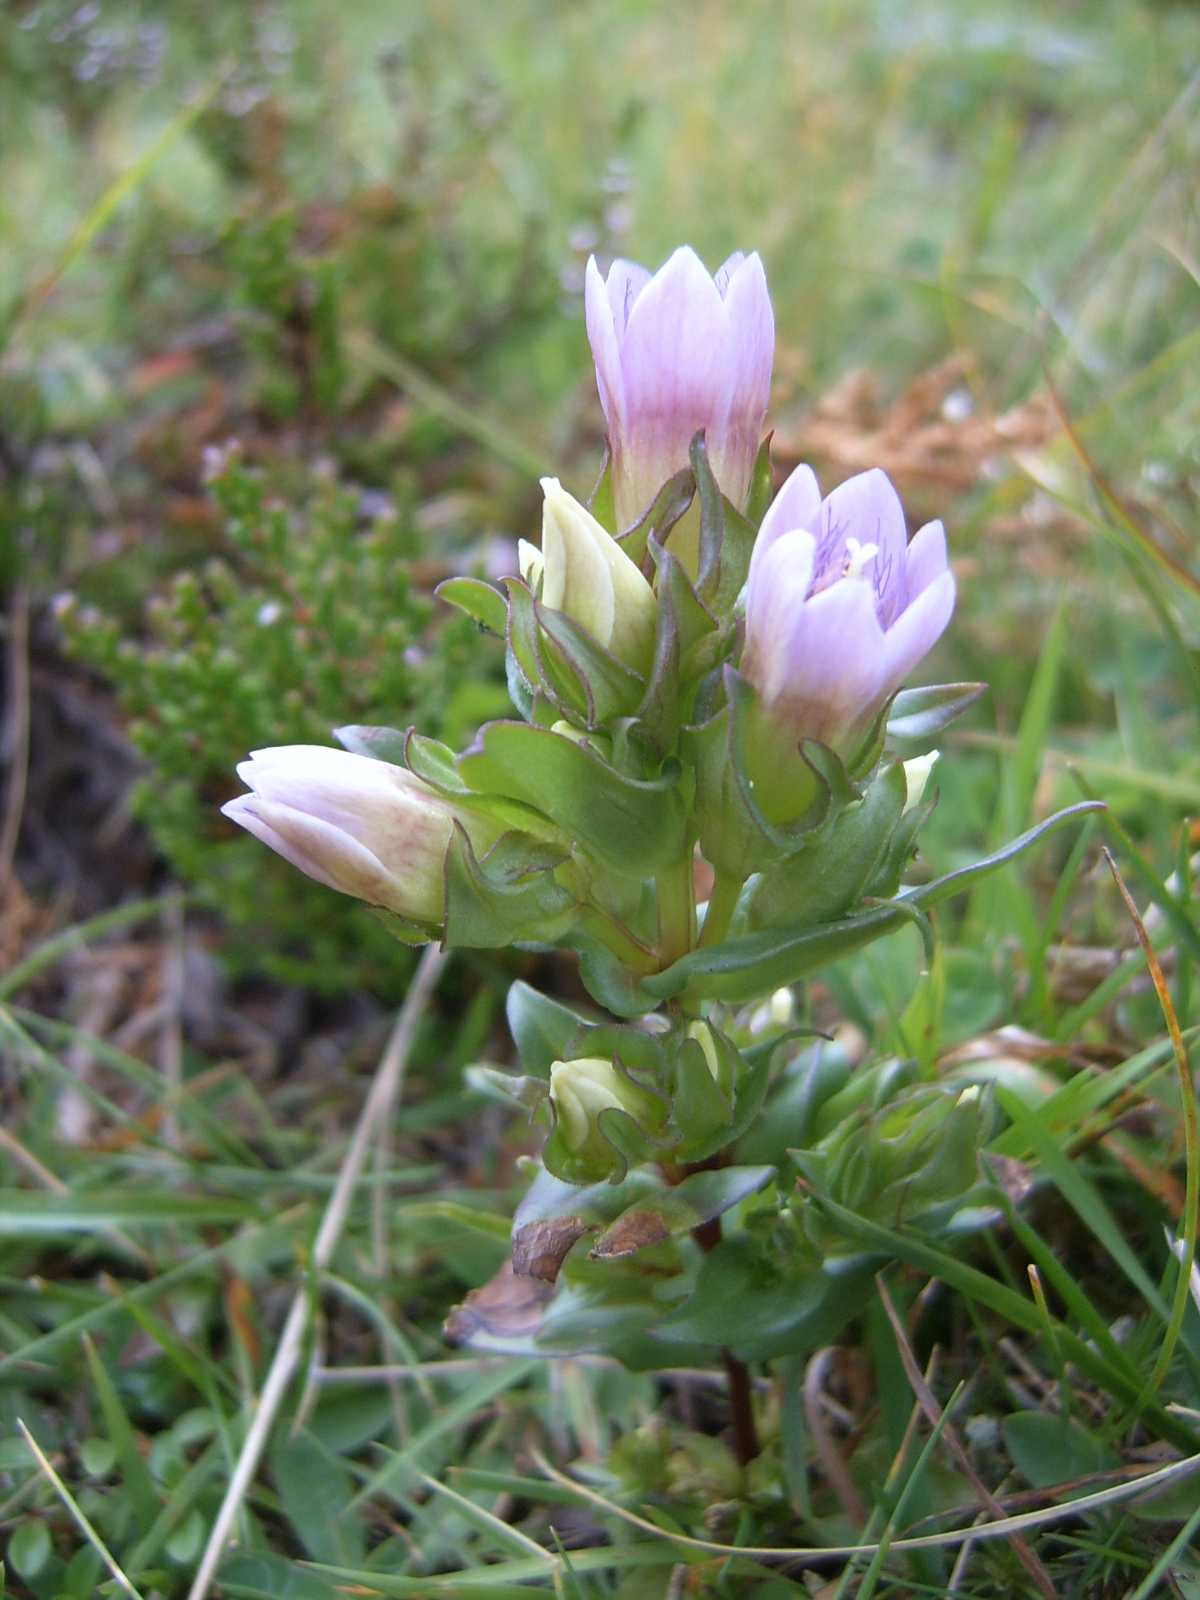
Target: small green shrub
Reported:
[(309, 617)]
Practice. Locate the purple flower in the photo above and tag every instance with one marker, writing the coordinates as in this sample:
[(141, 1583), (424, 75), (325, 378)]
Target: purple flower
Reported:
[(840, 607), (366, 827), (676, 352)]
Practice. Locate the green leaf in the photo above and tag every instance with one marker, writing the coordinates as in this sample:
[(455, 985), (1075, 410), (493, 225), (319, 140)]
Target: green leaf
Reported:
[(136, 1475), (654, 1218), (316, 1490), (382, 744), (762, 484), (511, 894), (829, 875), (917, 713), (609, 688), (481, 602), (1048, 1450), (744, 968), (632, 827), (726, 538), (28, 1549), (747, 1299), (543, 1030)]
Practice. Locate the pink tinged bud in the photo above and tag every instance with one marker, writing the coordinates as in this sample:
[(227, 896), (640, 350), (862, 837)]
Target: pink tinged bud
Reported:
[(839, 606), (675, 352), (365, 827)]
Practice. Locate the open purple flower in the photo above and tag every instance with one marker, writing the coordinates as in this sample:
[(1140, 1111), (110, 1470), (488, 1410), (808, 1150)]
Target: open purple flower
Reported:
[(677, 351), (840, 607)]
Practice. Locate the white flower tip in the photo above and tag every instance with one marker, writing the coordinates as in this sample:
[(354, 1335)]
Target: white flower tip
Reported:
[(916, 776)]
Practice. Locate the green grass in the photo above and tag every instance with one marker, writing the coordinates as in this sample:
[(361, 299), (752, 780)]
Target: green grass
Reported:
[(353, 237)]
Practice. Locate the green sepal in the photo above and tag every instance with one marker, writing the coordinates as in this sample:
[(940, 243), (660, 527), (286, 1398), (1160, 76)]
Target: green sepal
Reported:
[(513, 1088), (543, 1030), (701, 1106), (511, 894), (750, 1301), (726, 539), (600, 502), (682, 624), (401, 928), (899, 848), (668, 506), (536, 662), (745, 967), (912, 1160), (609, 688), (381, 744), (916, 713), (654, 1218), (832, 872), (616, 1144), (481, 602), (762, 484), (630, 826), (735, 835)]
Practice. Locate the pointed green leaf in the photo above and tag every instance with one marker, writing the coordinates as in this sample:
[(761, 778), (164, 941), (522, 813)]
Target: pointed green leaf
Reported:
[(384, 744), (632, 827), (916, 713), (511, 894), (744, 968), (479, 600), (543, 1030)]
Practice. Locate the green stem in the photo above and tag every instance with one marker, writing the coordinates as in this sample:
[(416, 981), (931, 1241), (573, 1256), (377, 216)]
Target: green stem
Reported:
[(676, 911), (721, 904)]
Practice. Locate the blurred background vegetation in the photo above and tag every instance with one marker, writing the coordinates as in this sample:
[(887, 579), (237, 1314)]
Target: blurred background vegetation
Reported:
[(290, 321)]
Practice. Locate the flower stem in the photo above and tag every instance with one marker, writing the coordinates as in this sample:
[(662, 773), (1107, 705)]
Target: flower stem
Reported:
[(741, 1400), (721, 904), (676, 911)]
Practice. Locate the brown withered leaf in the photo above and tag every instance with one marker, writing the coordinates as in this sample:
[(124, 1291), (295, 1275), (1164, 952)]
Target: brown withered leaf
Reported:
[(505, 1307), (631, 1232), (540, 1248)]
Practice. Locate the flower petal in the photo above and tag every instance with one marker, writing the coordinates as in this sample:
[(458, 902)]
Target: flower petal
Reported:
[(776, 592), (916, 630), (675, 357), (625, 281), (867, 508), (726, 271), (924, 560), (313, 845), (752, 336), (606, 347), (796, 506)]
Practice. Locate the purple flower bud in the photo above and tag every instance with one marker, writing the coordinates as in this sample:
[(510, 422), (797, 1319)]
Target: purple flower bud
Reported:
[(840, 607), (679, 351), (366, 827)]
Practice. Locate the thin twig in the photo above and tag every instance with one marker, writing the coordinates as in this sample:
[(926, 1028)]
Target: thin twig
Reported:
[(170, 1046), (832, 1464), (291, 1339), (933, 1412), (16, 732), (85, 1527)]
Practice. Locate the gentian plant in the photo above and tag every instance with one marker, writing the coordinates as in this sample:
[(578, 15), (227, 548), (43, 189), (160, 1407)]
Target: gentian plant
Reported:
[(707, 681)]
